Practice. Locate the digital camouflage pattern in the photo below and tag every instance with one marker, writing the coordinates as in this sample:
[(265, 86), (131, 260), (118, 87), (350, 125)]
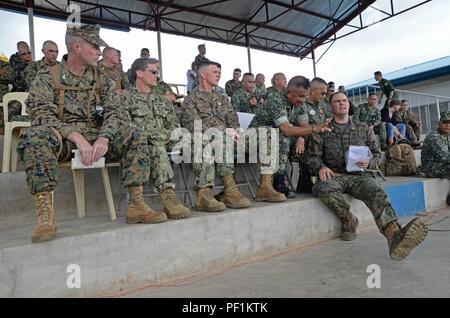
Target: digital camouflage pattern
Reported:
[(371, 116), (413, 129), (45, 142), (241, 97), (273, 113), (213, 110), (5, 81), (232, 86), (436, 156), (310, 113), (33, 68), (119, 78), (329, 149), (156, 116)]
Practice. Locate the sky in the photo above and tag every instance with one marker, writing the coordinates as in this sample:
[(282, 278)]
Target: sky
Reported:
[(414, 37)]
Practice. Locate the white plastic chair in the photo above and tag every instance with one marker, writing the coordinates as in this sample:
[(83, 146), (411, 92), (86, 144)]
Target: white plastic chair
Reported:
[(12, 130)]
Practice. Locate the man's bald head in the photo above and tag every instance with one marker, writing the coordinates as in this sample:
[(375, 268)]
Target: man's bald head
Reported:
[(279, 81), (111, 55)]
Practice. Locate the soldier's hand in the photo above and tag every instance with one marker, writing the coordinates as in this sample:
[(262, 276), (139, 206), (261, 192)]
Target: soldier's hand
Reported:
[(3, 72), (364, 164), (300, 146), (323, 127), (252, 101), (325, 174), (100, 148), (86, 152), (234, 135)]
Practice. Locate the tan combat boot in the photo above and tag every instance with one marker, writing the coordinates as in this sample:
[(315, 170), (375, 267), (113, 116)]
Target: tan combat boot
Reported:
[(402, 240), (172, 205), (349, 225), (139, 211), (266, 192), (206, 202), (45, 229), (232, 197)]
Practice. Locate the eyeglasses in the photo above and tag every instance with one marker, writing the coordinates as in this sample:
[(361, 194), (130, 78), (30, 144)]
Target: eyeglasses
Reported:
[(154, 72), (24, 53)]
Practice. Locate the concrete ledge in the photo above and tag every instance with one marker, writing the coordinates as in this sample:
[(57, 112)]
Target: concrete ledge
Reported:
[(114, 257)]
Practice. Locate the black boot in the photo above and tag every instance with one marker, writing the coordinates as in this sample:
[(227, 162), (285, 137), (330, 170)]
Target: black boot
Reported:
[(448, 199), (279, 184)]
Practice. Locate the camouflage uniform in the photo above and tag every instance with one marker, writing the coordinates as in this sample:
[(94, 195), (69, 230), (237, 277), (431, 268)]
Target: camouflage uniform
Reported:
[(313, 115), (157, 118), (214, 110), (273, 113), (20, 84), (436, 156), (232, 86), (33, 68), (45, 142), (116, 75), (260, 90), (241, 97), (329, 149), (387, 87), (371, 116), (413, 130), (4, 89)]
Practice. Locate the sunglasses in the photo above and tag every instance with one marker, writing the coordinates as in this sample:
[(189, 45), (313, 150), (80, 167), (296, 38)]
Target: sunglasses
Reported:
[(154, 72), (24, 53)]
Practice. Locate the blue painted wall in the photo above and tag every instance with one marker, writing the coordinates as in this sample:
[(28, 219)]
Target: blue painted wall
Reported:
[(407, 198)]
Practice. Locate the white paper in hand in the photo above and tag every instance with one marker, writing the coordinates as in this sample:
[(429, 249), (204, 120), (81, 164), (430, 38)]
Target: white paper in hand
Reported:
[(245, 119), (77, 164), (355, 154)]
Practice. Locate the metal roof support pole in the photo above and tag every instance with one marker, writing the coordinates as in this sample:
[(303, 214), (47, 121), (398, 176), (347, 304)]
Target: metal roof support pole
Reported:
[(249, 55), (31, 31), (158, 27), (313, 55)]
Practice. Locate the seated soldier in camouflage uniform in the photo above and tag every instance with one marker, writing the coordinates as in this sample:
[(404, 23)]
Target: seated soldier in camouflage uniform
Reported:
[(413, 127), (278, 86), (369, 114), (62, 107), (326, 158), (435, 152), (233, 84), (273, 113), (157, 117), (107, 67), (7, 77), (247, 98), (50, 50), (313, 111), (212, 110)]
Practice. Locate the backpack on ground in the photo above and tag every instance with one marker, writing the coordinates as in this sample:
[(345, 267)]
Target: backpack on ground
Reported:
[(400, 161)]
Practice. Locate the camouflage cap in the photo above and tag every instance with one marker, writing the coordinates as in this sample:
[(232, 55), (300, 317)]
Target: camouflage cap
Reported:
[(88, 32), (445, 116)]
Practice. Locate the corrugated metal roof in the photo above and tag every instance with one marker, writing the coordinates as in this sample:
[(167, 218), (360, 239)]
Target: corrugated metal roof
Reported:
[(291, 27), (415, 73)]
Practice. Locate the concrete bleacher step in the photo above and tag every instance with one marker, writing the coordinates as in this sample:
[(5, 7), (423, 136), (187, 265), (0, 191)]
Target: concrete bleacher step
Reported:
[(114, 257)]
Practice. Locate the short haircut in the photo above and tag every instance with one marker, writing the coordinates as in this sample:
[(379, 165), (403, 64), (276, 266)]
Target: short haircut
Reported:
[(206, 64), (318, 80), (395, 102), (71, 39), (248, 74), (404, 100), (140, 64), (237, 70), (334, 94), (378, 73), (20, 43), (145, 49), (331, 84), (373, 93), (108, 49), (200, 45), (298, 82), (47, 43)]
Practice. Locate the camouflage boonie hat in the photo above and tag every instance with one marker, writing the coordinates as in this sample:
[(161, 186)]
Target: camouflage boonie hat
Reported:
[(445, 116), (88, 32)]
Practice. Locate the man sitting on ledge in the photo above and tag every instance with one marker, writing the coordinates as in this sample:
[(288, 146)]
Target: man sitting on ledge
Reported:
[(326, 158), (63, 104)]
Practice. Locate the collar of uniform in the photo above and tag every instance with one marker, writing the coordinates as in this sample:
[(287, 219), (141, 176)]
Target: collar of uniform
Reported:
[(351, 124), (66, 75), (204, 95)]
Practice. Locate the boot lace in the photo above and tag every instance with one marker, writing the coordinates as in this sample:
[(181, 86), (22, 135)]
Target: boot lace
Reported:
[(44, 211)]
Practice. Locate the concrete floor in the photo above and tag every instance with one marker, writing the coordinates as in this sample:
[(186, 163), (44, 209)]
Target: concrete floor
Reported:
[(330, 269)]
